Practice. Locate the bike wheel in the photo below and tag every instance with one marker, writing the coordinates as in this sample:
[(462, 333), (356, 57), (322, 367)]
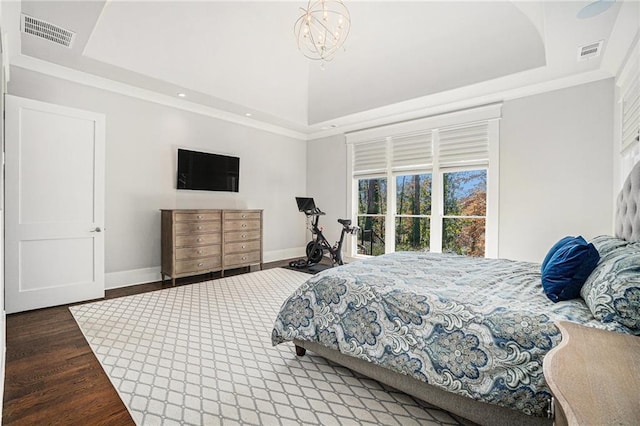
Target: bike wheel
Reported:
[(314, 252)]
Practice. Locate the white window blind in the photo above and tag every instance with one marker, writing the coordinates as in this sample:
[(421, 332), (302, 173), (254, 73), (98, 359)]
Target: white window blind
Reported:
[(630, 95), (464, 145), (369, 157), (412, 151)]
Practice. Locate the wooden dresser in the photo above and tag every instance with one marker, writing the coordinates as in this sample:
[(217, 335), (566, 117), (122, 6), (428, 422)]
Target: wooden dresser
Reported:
[(203, 241), (594, 376)]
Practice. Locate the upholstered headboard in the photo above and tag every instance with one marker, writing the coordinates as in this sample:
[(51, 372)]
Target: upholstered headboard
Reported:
[(628, 207)]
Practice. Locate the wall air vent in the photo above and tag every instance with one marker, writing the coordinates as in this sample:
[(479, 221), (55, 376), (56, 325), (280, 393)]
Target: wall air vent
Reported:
[(591, 50), (47, 31)]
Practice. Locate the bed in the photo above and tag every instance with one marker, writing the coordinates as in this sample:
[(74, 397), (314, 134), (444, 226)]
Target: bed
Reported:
[(465, 334)]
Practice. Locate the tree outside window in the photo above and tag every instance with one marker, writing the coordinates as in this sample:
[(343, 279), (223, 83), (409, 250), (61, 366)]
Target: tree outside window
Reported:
[(465, 212), (372, 208), (413, 212)]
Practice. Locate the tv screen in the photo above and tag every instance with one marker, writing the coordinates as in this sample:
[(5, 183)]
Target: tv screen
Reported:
[(207, 172)]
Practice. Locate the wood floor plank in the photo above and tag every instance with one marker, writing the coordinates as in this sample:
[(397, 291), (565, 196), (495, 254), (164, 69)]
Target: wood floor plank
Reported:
[(51, 374)]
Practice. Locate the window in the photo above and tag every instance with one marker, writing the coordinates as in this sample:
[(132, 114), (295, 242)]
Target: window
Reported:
[(427, 185), (629, 121), (629, 96)]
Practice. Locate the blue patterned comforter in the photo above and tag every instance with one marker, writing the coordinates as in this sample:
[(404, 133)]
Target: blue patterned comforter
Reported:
[(473, 326)]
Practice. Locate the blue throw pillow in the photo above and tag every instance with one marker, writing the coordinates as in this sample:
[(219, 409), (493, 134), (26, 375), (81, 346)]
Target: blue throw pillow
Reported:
[(568, 268), (555, 248)]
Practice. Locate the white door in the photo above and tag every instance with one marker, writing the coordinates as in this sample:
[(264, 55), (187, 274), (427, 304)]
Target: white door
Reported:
[(54, 205)]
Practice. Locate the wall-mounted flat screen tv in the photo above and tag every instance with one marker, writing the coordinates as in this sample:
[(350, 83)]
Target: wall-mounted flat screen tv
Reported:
[(208, 172)]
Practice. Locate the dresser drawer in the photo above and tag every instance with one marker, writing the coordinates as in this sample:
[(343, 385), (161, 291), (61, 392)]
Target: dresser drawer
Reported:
[(197, 227), (197, 252), (197, 240), (242, 215), (241, 259), (195, 217), (237, 236), (198, 265), (241, 225), (242, 247)]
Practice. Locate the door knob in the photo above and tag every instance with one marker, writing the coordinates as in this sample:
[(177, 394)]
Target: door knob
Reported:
[(97, 229)]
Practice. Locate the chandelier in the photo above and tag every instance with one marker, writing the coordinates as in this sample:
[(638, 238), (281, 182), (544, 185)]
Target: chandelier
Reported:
[(322, 29)]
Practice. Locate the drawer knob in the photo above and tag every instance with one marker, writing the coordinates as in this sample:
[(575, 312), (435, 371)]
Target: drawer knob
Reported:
[(199, 239), (244, 225), (244, 257), (244, 236), (243, 216), (199, 216), (200, 264), (199, 251), (199, 227), (244, 246)]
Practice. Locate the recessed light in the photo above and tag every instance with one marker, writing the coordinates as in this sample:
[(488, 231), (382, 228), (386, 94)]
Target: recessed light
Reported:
[(182, 95), (248, 114)]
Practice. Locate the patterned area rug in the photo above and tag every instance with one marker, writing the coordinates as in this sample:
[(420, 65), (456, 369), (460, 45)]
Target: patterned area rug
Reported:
[(201, 354)]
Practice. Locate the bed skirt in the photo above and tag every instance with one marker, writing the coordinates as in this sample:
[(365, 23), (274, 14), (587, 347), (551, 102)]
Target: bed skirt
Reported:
[(478, 412)]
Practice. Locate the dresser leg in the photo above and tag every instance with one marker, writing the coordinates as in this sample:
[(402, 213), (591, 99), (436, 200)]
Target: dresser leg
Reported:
[(173, 282)]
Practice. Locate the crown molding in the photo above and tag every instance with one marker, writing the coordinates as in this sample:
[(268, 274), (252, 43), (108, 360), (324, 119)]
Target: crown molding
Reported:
[(440, 103), (80, 77)]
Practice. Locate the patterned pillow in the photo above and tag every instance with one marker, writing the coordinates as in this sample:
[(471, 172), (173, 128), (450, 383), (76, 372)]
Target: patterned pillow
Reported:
[(612, 291), (605, 243)]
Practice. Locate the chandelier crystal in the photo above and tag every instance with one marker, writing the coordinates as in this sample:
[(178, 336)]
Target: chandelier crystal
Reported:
[(322, 29)]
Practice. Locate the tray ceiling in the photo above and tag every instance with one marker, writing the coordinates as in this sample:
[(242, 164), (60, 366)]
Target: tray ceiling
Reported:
[(241, 57)]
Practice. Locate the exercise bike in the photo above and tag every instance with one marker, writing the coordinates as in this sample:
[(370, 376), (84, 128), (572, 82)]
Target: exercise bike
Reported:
[(319, 244)]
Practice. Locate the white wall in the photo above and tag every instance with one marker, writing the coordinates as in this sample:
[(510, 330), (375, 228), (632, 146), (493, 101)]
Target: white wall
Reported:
[(326, 178), (142, 142), (555, 169)]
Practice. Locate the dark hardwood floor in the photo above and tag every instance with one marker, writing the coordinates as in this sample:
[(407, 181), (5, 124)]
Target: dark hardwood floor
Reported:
[(52, 376)]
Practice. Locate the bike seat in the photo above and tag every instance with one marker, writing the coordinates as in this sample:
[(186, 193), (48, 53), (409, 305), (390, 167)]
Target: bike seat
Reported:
[(344, 222)]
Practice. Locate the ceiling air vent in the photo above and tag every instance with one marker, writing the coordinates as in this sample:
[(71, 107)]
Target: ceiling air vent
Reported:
[(47, 31), (590, 50)]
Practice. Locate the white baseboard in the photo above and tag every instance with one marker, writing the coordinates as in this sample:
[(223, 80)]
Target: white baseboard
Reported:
[(275, 255), (149, 275), (131, 277)]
